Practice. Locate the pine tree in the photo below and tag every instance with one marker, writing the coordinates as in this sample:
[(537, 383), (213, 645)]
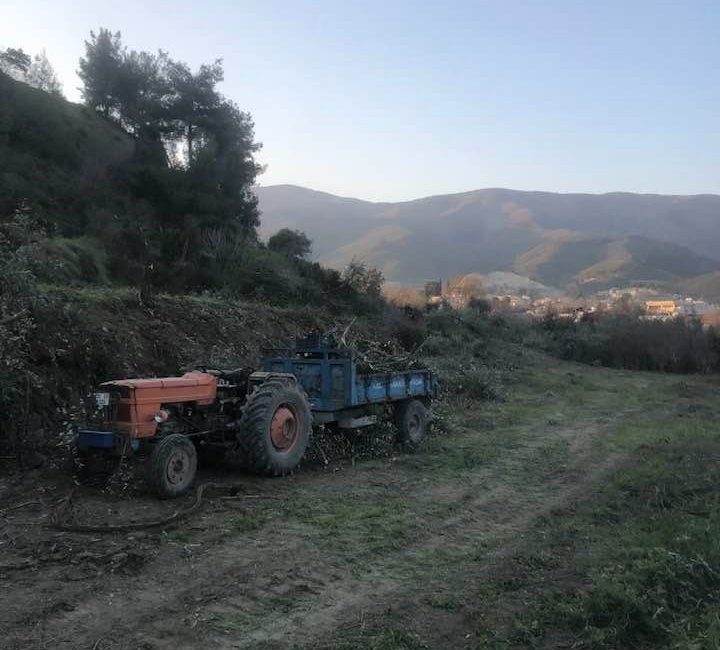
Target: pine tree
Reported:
[(41, 75), (15, 63), (100, 71)]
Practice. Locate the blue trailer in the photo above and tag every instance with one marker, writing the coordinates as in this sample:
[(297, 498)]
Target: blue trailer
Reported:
[(317, 382), (336, 391)]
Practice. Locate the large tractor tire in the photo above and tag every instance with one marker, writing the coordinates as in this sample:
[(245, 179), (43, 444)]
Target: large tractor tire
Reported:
[(411, 419), (275, 428), (172, 466)]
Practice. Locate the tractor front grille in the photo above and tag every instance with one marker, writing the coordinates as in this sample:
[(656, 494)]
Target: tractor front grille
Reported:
[(104, 417)]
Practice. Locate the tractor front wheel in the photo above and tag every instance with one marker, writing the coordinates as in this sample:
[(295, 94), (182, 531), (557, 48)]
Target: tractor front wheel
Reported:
[(275, 428), (411, 421), (172, 466)]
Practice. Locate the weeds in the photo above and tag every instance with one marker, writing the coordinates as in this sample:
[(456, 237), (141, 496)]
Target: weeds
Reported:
[(650, 573), (244, 523)]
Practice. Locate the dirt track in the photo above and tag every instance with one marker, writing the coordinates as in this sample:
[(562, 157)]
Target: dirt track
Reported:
[(316, 559)]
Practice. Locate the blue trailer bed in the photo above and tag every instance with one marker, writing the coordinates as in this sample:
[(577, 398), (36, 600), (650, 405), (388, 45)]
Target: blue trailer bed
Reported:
[(390, 387), (329, 376)]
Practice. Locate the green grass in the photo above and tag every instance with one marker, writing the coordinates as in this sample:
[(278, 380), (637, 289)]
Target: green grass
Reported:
[(645, 552), (480, 526), (245, 522), (389, 638), (177, 537), (635, 563), (359, 525)]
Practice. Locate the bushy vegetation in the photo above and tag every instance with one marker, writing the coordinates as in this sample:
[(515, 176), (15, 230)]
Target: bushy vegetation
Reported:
[(632, 342), (35, 71), (150, 184), (628, 341), (16, 329)]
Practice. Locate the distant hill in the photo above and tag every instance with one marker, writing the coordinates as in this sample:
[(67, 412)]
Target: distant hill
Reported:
[(572, 259), (500, 282), (584, 240), (707, 286)]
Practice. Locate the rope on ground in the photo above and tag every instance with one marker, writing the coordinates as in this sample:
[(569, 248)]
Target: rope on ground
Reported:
[(58, 518), (20, 505)]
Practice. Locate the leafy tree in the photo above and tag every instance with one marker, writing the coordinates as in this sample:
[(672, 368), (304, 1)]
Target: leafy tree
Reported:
[(142, 92), (467, 286), (14, 62), (194, 99), (36, 72), (194, 166), (41, 75), (294, 244), (100, 71), (365, 280), (479, 305)]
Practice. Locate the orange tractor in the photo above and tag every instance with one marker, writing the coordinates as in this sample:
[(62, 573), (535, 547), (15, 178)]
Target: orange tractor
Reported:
[(266, 416)]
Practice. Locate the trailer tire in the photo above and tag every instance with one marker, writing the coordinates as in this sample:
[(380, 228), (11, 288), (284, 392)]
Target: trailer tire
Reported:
[(172, 466), (275, 428), (411, 419)]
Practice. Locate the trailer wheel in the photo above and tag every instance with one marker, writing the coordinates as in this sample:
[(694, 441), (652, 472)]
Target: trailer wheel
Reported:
[(172, 466), (275, 428), (411, 421)]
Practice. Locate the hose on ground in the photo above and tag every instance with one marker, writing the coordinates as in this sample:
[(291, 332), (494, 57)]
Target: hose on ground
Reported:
[(58, 518)]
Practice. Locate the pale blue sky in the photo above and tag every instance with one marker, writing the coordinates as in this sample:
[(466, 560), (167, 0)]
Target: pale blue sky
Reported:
[(397, 100)]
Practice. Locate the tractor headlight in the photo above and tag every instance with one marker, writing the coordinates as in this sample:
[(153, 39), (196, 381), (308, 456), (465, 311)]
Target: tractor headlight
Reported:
[(162, 416)]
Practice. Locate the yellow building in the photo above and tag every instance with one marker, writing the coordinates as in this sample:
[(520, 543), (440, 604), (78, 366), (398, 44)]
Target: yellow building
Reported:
[(661, 307)]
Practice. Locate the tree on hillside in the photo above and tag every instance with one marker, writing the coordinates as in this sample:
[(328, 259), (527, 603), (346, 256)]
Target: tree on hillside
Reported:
[(41, 75), (194, 99), (467, 286), (294, 244), (366, 280), (141, 94), (36, 72), (100, 71), (195, 164), (405, 296), (15, 63)]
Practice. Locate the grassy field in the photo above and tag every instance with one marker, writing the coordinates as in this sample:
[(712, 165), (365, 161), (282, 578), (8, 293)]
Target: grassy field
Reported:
[(578, 508), (581, 511)]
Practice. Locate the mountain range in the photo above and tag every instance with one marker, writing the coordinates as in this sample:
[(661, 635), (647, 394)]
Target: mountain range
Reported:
[(582, 242)]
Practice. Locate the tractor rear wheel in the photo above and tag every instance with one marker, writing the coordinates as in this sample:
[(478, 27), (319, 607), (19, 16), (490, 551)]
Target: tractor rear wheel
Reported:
[(411, 421), (275, 428), (172, 466)]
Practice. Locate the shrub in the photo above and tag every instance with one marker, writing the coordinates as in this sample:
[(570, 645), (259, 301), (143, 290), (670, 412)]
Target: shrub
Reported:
[(628, 341), (68, 261), (16, 326), (475, 382)]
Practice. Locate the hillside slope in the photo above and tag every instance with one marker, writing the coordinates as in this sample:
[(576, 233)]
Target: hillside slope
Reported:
[(631, 236), (59, 155), (81, 337), (707, 286), (599, 262)]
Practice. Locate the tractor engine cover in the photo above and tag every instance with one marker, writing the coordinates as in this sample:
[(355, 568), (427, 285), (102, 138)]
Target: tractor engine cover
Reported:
[(138, 401)]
